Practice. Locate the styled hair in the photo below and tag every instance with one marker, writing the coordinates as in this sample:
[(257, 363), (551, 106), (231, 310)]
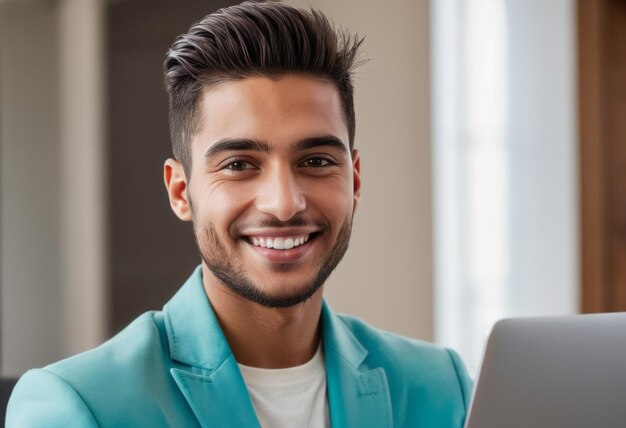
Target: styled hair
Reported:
[(254, 39)]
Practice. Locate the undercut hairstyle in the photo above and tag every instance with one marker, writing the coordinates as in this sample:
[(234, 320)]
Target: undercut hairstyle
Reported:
[(267, 39)]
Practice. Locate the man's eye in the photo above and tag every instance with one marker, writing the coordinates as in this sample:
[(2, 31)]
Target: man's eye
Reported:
[(239, 165), (317, 163)]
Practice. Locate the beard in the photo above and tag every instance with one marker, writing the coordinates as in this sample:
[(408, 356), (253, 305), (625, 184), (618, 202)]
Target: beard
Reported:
[(233, 274)]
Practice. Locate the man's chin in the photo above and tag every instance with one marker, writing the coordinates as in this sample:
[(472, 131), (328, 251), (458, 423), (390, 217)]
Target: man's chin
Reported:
[(278, 297), (279, 302), (277, 294)]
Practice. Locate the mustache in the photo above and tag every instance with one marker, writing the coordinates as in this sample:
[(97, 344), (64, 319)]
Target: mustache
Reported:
[(274, 223)]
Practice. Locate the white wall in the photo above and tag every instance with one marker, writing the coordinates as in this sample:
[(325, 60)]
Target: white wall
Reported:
[(386, 276), (543, 157), (506, 180)]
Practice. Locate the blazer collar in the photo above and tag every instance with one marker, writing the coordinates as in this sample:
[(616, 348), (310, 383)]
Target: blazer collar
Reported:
[(193, 331), (209, 378), (358, 393), (211, 381)]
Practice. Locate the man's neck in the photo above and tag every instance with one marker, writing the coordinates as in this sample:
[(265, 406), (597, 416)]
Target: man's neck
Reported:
[(266, 337)]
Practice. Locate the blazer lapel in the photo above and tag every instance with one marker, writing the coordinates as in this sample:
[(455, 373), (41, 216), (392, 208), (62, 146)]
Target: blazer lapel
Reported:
[(208, 377), (217, 399), (358, 395)]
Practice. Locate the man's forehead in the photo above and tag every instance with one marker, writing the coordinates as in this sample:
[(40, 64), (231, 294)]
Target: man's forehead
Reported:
[(289, 108), (300, 89)]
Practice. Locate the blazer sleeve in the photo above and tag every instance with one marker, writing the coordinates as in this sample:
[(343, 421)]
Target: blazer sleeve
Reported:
[(43, 399), (465, 382)]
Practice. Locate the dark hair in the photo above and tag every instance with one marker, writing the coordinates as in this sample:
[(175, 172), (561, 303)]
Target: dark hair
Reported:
[(254, 39)]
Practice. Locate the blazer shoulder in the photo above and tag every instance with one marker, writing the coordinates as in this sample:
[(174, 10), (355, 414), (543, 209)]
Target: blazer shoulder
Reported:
[(392, 345), (137, 344), (413, 363), (124, 382), (43, 399)]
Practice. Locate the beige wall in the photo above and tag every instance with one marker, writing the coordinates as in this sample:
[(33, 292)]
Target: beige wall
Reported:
[(83, 197), (386, 277), (29, 187), (51, 199)]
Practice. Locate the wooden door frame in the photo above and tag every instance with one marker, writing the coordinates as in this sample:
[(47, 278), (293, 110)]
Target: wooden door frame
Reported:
[(602, 244)]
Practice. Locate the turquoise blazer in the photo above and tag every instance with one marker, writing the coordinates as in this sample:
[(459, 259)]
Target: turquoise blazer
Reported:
[(174, 368)]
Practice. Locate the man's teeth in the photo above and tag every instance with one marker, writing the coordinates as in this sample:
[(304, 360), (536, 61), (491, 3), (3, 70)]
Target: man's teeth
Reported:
[(280, 243)]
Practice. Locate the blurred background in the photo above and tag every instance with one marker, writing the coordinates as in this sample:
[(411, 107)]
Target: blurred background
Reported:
[(493, 143)]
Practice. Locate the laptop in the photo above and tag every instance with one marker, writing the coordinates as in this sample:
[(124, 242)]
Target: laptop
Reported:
[(552, 372)]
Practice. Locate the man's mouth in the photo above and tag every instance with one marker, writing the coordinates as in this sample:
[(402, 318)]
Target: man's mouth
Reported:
[(281, 242)]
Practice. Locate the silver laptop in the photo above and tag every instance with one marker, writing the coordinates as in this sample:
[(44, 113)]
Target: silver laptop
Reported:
[(553, 372)]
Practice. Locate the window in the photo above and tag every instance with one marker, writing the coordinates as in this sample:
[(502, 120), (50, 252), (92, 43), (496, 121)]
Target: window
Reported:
[(504, 154)]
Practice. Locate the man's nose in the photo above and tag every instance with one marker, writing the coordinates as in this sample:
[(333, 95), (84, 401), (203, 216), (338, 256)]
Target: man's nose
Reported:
[(281, 195)]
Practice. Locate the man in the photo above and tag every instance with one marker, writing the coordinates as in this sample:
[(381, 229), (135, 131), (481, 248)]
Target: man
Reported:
[(262, 123)]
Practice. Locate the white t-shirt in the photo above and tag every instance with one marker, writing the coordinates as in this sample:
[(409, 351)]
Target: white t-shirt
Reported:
[(292, 397)]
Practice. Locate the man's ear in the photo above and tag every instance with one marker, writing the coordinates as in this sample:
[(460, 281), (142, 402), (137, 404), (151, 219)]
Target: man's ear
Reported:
[(176, 186), (356, 170)]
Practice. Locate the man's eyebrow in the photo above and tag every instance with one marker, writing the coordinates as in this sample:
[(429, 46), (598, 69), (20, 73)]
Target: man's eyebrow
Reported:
[(238, 144), (326, 140)]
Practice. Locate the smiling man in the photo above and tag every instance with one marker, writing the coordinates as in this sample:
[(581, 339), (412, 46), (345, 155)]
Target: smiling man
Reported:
[(262, 123)]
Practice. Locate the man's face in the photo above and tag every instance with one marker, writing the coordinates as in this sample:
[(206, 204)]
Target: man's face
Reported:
[(273, 186)]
